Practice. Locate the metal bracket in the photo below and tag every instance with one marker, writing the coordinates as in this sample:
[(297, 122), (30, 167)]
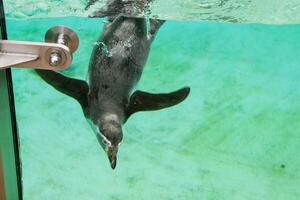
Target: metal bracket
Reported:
[(55, 54)]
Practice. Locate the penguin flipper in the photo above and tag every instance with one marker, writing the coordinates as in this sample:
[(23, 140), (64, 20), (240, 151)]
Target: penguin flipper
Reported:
[(143, 101), (77, 89)]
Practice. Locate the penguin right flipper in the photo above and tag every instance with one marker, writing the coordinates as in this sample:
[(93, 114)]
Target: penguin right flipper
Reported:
[(77, 89), (143, 101)]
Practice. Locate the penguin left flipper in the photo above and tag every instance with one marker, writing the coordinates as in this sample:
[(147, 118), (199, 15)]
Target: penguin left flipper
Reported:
[(143, 101), (77, 89)]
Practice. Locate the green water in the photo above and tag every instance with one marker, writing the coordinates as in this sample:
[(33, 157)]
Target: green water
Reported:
[(236, 137)]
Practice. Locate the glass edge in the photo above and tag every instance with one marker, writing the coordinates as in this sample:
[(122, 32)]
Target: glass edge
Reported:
[(12, 107)]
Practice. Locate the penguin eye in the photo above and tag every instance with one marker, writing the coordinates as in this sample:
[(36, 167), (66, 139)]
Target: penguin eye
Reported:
[(105, 142)]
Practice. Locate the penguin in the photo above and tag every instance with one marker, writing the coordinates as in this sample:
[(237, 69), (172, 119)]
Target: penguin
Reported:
[(108, 97)]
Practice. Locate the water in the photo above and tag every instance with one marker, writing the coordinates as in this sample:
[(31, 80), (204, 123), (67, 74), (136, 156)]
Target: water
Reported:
[(236, 136), (238, 11)]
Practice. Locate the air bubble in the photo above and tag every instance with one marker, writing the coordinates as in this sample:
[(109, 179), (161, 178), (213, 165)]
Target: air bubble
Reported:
[(104, 48)]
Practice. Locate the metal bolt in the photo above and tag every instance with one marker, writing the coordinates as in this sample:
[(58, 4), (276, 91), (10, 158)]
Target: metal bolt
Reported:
[(55, 59)]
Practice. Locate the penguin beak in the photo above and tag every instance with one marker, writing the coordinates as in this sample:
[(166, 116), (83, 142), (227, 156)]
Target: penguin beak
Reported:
[(112, 156)]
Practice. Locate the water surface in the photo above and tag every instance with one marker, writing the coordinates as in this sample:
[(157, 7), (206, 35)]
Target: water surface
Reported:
[(236, 11)]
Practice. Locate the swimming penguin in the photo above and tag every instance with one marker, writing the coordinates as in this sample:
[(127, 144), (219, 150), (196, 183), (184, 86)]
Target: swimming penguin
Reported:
[(116, 65)]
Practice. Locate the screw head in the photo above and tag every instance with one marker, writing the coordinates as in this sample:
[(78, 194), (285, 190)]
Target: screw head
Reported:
[(55, 59)]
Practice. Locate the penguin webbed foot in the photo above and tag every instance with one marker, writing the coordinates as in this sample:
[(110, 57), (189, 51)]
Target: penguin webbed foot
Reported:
[(112, 9), (90, 3), (155, 25), (144, 101)]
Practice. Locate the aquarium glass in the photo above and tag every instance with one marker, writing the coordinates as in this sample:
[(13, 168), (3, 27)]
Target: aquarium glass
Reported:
[(236, 136)]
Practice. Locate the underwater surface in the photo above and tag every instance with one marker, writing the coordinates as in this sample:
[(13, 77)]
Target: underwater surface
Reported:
[(237, 136)]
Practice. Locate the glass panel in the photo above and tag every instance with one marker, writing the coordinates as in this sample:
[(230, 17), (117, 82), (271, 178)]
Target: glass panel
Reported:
[(235, 137), (10, 183), (2, 192)]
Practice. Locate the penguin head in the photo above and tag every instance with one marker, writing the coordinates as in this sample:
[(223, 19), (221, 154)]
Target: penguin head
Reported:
[(110, 137), (107, 126)]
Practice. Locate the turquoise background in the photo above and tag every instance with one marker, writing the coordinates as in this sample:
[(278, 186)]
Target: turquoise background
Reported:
[(236, 137)]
